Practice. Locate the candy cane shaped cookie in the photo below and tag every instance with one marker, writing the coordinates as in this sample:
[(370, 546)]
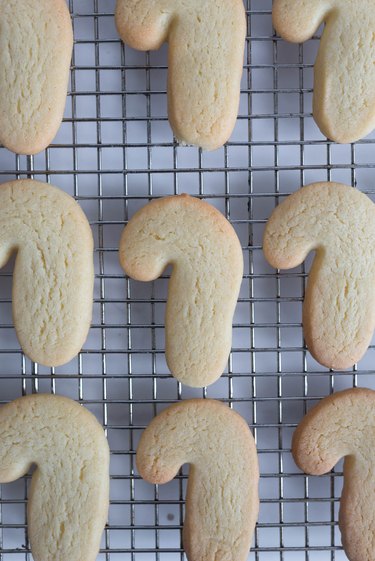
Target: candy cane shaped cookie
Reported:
[(69, 494), (344, 78), (338, 222), (205, 58), (343, 425), (207, 262), (36, 41), (222, 495), (54, 272)]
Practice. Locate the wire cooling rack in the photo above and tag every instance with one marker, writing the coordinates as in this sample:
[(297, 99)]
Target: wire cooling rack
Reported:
[(114, 152)]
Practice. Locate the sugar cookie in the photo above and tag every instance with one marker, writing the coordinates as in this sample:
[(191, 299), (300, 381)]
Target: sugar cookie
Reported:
[(54, 272), (205, 58), (338, 222), (343, 425), (222, 496), (207, 262), (36, 41), (344, 79), (69, 494)]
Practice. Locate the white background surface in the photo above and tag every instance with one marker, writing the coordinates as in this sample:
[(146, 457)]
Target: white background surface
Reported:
[(113, 151)]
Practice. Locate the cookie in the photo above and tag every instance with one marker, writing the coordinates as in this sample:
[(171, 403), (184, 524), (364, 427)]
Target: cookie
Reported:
[(53, 275), (206, 255), (205, 58), (343, 425), (69, 494), (222, 494), (36, 41), (344, 76), (338, 223)]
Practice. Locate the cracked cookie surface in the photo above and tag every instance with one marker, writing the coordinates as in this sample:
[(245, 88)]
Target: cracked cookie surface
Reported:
[(53, 278), (338, 223), (36, 42)]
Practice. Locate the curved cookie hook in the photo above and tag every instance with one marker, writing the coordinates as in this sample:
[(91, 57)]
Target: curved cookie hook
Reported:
[(339, 309), (205, 59), (54, 272), (207, 264), (69, 494), (36, 42), (343, 425), (344, 77), (222, 495)]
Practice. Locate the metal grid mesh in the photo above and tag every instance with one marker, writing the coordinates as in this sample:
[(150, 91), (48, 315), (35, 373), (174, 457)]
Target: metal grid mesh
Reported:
[(113, 153)]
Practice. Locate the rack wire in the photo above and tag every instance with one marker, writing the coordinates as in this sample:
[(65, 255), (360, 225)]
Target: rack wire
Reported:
[(114, 152)]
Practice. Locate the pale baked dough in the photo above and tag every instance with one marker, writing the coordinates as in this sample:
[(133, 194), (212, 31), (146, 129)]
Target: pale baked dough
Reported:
[(222, 495), (207, 262), (205, 59), (36, 41), (53, 275), (338, 222), (343, 425), (344, 80), (69, 494)]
